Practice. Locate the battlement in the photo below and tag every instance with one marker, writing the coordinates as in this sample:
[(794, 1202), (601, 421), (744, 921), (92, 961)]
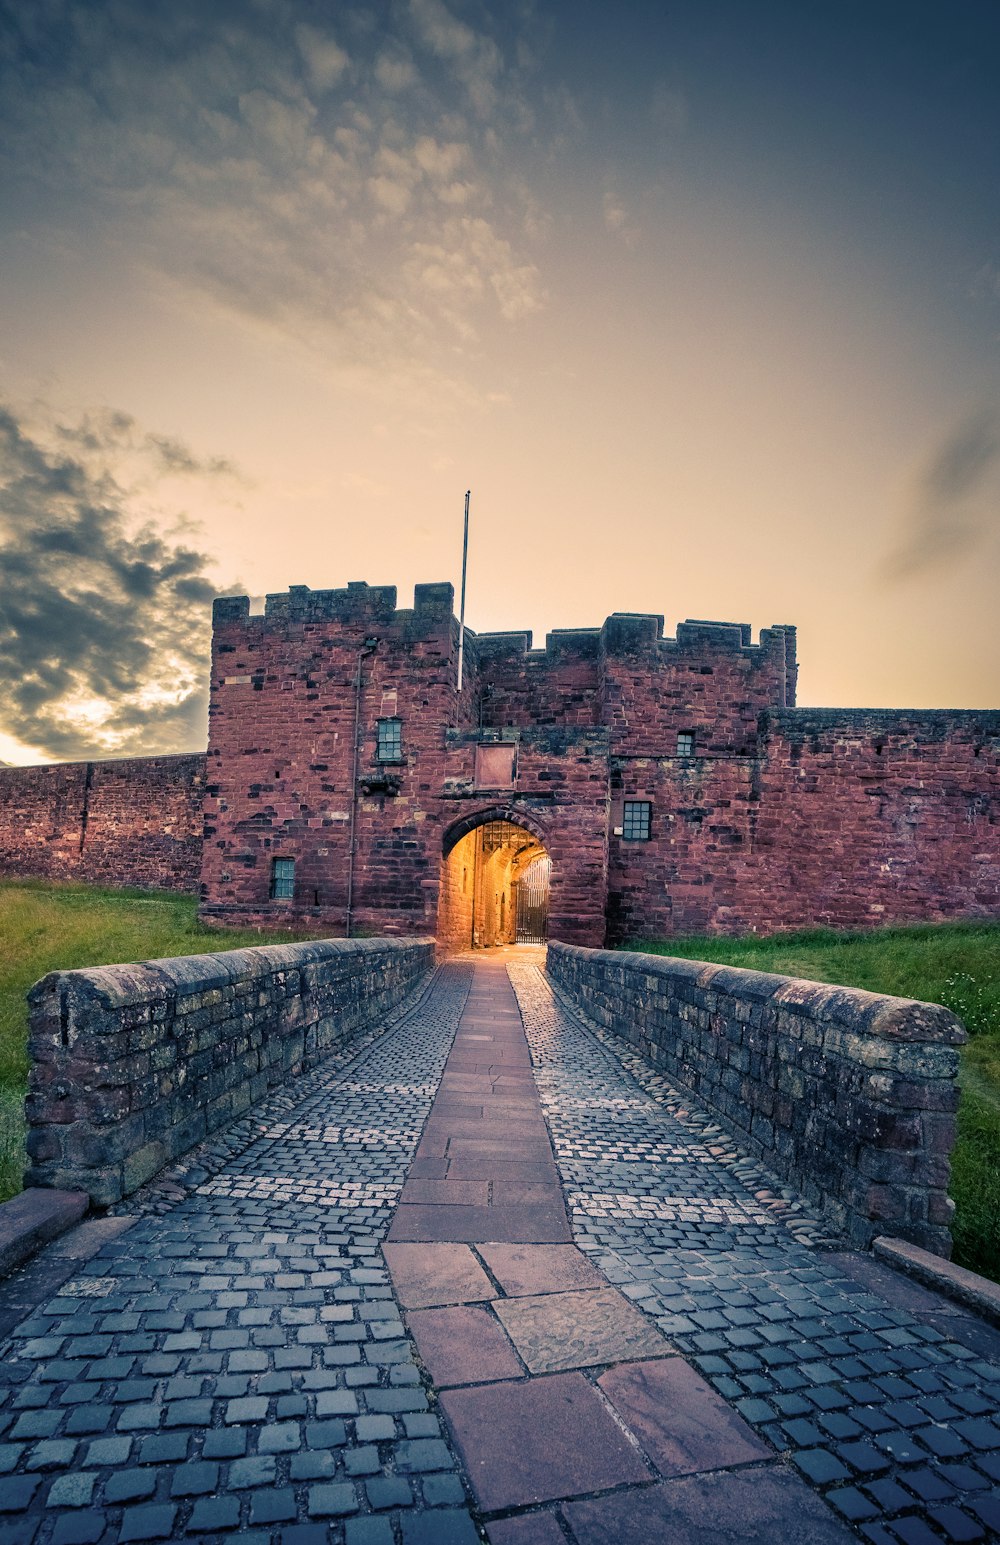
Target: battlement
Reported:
[(359, 602), (621, 633)]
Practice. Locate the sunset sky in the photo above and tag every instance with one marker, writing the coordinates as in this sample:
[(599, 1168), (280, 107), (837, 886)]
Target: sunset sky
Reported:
[(700, 299)]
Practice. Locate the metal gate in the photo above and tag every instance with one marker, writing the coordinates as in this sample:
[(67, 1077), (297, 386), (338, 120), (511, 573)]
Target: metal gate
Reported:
[(533, 902)]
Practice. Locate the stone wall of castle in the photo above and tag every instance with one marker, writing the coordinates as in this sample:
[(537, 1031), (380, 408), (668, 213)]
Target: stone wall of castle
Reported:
[(844, 817), (131, 822), (762, 815), (297, 696)]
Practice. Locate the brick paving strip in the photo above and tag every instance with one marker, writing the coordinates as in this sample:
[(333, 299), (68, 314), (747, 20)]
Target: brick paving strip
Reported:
[(572, 1411)]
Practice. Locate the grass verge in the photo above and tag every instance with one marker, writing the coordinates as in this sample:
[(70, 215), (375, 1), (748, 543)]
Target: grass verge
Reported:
[(46, 927), (955, 964)]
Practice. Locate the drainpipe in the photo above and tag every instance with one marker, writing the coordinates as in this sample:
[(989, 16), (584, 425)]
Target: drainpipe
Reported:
[(368, 647)]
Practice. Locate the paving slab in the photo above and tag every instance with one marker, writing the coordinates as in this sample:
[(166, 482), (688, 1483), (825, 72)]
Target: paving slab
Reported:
[(743, 1507), (527, 1529), (227, 1359), (681, 1422), (447, 1193), (32, 1218), (426, 1275), (527, 1269), (539, 1440), (579, 1329), (463, 1345), (518, 1223), (478, 1166)]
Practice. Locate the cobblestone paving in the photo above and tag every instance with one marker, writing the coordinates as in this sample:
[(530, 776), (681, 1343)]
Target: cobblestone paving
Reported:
[(889, 1410), (236, 1367)]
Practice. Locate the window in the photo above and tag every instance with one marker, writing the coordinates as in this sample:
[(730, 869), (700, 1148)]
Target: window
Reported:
[(282, 879), (685, 743), (635, 825), (390, 740)]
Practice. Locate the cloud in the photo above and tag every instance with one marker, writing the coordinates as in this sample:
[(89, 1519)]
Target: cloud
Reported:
[(104, 621), (325, 61), (475, 58), (617, 220), (243, 159), (956, 503)]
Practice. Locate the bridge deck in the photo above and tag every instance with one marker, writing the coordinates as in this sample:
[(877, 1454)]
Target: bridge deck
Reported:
[(401, 1313)]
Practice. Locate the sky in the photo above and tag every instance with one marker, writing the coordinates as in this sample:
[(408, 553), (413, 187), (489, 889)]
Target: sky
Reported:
[(700, 300)]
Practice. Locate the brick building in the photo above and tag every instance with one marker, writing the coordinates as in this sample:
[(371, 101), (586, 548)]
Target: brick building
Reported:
[(614, 784)]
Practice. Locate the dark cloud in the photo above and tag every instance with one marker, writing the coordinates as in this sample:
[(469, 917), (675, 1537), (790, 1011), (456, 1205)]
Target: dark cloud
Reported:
[(957, 501), (104, 621)]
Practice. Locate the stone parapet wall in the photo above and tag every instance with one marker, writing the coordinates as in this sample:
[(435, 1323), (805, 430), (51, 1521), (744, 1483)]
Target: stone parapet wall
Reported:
[(132, 1065), (849, 1096)]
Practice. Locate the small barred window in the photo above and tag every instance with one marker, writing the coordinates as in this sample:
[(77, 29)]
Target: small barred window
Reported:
[(636, 822), (685, 743), (282, 879), (390, 740)]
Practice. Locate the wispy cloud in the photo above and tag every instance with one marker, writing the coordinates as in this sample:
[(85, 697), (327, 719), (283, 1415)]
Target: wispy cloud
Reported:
[(104, 619), (617, 219), (956, 503), (288, 167)]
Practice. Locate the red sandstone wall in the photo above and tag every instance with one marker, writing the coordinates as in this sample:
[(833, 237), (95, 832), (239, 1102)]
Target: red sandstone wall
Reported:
[(281, 756), (132, 822), (281, 773), (876, 817), (848, 818), (710, 679), (557, 685)]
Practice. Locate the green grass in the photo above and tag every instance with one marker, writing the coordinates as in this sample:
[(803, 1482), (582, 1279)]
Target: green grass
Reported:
[(955, 964), (46, 927)]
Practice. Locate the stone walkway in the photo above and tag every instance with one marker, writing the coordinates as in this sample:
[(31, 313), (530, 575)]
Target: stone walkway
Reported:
[(640, 1339)]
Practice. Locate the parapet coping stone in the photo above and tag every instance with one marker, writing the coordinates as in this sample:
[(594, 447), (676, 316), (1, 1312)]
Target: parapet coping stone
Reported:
[(955, 1282), (869, 1013), (31, 1219), (134, 982)]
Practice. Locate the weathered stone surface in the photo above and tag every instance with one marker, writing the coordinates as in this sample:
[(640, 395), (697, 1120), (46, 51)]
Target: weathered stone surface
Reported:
[(557, 1331), (133, 1065), (131, 822), (848, 1095), (771, 816), (28, 1221)]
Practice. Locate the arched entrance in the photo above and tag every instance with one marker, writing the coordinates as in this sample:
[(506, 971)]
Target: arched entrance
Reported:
[(494, 886)]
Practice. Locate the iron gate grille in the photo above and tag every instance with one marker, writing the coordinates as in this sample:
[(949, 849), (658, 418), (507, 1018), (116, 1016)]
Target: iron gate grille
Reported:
[(533, 903), (497, 833)]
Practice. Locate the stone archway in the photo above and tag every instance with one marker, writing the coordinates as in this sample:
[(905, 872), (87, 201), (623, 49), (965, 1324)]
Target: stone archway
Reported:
[(494, 883)]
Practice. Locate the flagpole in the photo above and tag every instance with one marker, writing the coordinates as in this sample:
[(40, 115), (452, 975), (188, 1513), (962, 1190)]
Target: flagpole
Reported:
[(461, 615)]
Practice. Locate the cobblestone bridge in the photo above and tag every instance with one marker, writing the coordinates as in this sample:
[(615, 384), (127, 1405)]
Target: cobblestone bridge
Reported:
[(485, 1275)]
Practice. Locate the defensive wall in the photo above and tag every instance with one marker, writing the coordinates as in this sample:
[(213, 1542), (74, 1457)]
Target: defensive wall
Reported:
[(130, 822), (849, 1096), (133, 1065), (775, 817), (761, 815)]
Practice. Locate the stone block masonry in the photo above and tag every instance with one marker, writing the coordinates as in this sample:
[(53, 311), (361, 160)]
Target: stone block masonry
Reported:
[(673, 783), (849, 1096), (131, 822), (133, 1065)]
